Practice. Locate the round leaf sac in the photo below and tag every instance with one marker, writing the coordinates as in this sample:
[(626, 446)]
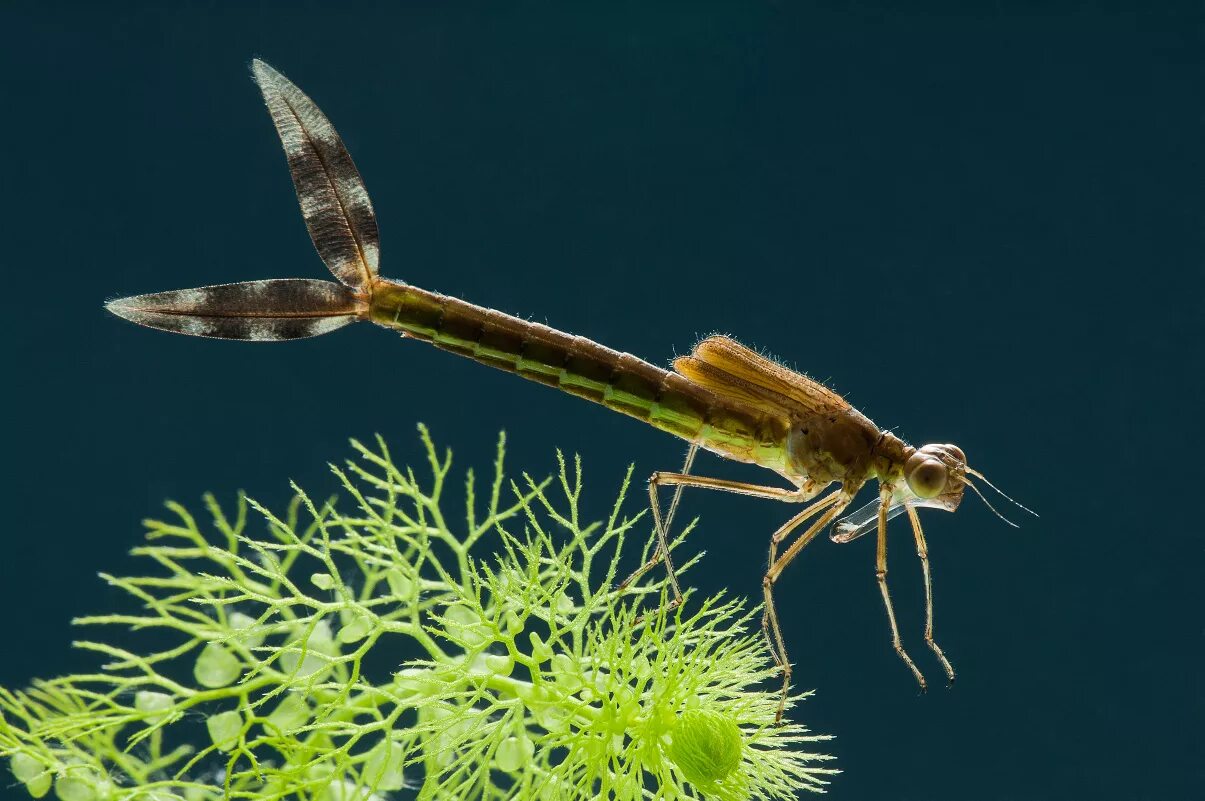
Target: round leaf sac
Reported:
[(706, 746), (290, 714), (540, 651), (32, 773), (245, 623), (417, 683), (566, 672), (76, 787), (216, 667), (150, 701), (564, 603), (224, 729), (355, 631), (25, 767), (346, 791), (499, 664), (383, 768), (39, 786), (512, 623), (513, 753), (195, 793), (399, 584), (464, 626), (318, 645)]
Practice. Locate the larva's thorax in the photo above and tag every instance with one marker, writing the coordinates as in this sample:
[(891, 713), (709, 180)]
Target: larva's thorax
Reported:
[(840, 446)]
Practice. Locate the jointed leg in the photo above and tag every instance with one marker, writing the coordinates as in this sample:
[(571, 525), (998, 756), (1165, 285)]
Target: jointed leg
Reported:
[(662, 529), (881, 573), (673, 504), (769, 620), (922, 550), (679, 480), (835, 503)]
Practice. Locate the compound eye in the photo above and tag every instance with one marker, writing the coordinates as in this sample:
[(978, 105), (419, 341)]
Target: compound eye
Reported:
[(925, 475), (956, 452)]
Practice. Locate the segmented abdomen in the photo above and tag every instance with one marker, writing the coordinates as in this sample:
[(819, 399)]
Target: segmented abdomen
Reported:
[(581, 367)]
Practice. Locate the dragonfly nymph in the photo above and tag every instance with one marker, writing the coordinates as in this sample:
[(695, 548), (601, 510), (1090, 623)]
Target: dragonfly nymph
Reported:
[(723, 397)]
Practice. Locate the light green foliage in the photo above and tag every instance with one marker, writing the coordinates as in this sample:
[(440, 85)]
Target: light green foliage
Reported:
[(706, 745), (513, 674)]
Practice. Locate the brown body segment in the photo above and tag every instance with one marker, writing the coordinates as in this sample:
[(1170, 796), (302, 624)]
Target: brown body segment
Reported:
[(620, 381)]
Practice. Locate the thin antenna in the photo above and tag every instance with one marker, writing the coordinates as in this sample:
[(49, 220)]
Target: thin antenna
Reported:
[(979, 475), (989, 503)]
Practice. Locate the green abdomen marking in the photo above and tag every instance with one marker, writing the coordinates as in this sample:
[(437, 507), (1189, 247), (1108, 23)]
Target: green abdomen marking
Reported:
[(578, 366)]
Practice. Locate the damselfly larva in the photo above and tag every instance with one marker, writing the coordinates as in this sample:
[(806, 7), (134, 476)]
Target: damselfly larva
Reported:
[(723, 397)]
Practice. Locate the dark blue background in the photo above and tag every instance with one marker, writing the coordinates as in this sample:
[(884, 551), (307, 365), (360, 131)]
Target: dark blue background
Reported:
[(985, 226)]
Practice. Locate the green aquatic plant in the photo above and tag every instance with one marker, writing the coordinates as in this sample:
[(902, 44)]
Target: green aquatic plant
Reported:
[(383, 651)]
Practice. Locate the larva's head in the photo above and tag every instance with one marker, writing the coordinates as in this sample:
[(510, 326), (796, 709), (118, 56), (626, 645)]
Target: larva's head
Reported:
[(937, 475)]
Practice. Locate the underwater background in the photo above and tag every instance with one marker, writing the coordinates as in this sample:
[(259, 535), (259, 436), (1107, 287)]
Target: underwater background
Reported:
[(983, 223)]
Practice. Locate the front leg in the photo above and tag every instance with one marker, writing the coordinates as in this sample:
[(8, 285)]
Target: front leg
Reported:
[(881, 574), (922, 550)]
